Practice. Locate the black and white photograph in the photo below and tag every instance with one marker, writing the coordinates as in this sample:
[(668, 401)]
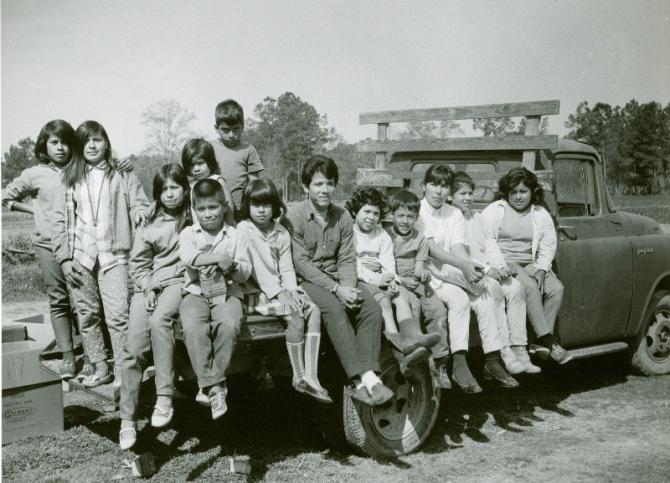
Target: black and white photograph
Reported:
[(335, 240)]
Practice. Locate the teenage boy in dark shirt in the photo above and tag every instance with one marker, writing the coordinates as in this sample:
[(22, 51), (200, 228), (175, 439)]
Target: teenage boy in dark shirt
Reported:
[(325, 261)]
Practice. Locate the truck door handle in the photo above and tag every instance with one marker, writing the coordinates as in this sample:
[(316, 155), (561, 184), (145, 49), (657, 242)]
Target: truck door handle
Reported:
[(564, 229), (614, 221)]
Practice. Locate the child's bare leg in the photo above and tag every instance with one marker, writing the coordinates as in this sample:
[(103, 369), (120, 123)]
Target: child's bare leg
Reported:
[(410, 326), (387, 315)]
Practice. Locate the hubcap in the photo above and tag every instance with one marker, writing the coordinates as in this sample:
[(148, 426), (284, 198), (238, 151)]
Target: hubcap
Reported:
[(397, 418), (658, 336)]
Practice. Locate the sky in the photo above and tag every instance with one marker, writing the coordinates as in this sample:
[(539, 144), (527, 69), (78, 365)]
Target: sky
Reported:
[(109, 60)]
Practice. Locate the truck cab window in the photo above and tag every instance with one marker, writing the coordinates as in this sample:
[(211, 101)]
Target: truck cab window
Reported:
[(575, 187)]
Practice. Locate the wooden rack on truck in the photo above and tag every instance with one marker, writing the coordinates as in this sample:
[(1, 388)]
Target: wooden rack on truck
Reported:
[(532, 144)]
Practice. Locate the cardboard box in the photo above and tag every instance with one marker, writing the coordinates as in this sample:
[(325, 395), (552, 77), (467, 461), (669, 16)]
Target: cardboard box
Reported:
[(13, 332), (32, 398)]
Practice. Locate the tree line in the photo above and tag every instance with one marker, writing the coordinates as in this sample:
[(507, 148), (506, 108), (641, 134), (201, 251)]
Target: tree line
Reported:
[(634, 141)]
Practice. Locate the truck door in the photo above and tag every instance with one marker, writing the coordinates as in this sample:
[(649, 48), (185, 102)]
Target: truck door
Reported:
[(594, 258)]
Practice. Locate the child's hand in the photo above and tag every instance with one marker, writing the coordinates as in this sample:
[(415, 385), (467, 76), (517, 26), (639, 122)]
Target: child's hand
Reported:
[(509, 270), (150, 301), (392, 288), (495, 274), (422, 275), (124, 165), (73, 273), (410, 283), (386, 279), (226, 264), (140, 219), (539, 278), (285, 298), (471, 273), (373, 266), (349, 296)]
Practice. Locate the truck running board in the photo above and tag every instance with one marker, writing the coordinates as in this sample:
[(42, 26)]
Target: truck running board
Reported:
[(598, 350)]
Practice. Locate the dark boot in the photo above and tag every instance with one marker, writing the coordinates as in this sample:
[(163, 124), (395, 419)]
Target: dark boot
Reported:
[(405, 359), (462, 376), (410, 330), (494, 371)]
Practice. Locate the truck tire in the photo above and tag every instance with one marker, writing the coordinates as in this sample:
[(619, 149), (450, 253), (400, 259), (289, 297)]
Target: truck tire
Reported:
[(400, 426), (652, 356)]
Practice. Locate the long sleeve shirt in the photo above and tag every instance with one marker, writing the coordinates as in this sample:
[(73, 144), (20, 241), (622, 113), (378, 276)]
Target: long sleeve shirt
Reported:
[(323, 255), (154, 260), (40, 183), (271, 258), (194, 241), (374, 246)]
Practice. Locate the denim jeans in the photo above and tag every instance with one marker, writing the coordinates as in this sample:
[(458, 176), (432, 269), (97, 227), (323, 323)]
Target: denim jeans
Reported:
[(149, 331), (62, 315), (210, 333)]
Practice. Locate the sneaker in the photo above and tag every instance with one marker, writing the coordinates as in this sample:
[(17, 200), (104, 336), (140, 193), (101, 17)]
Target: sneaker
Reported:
[(441, 373), (127, 437), (522, 355), (218, 404), (512, 364), (66, 370), (560, 355), (202, 398), (539, 351), (161, 416)]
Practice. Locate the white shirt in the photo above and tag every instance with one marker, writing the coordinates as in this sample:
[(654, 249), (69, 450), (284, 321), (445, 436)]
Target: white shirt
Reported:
[(446, 227)]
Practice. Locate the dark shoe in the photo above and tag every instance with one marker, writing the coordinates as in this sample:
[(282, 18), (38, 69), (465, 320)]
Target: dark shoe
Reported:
[(317, 392), (494, 371), (539, 351), (441, 373), (405, 362), (400, 343), (560, 355), (380, 394), (469, 387)]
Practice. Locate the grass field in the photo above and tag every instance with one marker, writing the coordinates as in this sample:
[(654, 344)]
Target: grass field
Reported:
[(588, 421)]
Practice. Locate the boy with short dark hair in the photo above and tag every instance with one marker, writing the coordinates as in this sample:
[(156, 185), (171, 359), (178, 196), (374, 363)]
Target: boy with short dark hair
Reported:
[(325, 260), (239, 162), (444, 228), (217, 261), (411, 256)]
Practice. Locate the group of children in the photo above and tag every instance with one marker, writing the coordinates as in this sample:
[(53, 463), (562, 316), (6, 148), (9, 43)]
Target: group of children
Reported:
[(211, 249)]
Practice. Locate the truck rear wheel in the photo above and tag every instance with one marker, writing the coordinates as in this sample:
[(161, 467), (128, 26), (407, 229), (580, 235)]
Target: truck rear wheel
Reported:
[(400, 426), (652, 356)]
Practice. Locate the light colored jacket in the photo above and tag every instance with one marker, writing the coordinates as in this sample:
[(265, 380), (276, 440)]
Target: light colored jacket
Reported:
[(543, 247), (154, 261), (126, 200)]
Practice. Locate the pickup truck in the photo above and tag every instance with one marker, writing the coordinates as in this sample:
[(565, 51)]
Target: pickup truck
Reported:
[(615, 267)]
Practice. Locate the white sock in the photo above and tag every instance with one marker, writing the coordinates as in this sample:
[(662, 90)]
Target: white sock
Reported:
[(369, 380)]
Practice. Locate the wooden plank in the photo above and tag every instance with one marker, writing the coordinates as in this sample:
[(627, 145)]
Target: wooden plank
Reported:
[(379, 177), (537, 108), (487, 143), (532, 128), (380, 157)]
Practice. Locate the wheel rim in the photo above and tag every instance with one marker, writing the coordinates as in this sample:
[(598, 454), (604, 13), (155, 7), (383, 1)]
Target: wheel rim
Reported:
[(394, 420), (658, 336)]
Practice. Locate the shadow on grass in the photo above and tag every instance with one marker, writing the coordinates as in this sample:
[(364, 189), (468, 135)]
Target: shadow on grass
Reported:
[(271, 426), (462, 416)]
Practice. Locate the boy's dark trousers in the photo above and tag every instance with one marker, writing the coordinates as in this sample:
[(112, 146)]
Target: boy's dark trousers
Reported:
[(210, 334), (355, 334)]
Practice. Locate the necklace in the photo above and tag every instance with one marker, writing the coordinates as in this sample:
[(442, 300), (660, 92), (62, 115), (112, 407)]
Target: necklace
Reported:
[(95, 214)]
